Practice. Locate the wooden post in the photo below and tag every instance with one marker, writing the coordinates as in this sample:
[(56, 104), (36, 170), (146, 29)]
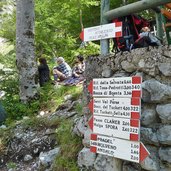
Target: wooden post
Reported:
[(104, 44)]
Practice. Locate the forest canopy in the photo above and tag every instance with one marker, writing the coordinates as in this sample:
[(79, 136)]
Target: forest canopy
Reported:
[(57, 25)]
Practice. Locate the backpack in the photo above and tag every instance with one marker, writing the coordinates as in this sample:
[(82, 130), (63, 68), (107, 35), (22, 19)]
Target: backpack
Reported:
[(142, 42), (131, 26), (146, 40)]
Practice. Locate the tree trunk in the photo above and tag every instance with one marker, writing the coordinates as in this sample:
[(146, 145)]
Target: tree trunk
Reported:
[(25, 55)]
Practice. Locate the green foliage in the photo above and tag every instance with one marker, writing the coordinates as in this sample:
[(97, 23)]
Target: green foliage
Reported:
[(79, 108), (11, 165), (8, 20), (70, 146), (89, 49), (5, 135), (8, 28), (11, 102), (58, 34), (2, 3), (50, 98)]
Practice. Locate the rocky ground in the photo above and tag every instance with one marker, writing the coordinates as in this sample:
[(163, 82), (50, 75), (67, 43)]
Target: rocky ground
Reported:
[(34, 147)]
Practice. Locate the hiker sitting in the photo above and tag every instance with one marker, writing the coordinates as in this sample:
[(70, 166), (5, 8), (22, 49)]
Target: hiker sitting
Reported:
[(146, 38), (77, 72), (62, 71), (79, 67), (44, 72)]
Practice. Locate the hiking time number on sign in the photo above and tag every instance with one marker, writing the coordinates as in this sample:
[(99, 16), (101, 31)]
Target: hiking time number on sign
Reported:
[(116, 127), (116, 87), (133, 151), (116, 107)]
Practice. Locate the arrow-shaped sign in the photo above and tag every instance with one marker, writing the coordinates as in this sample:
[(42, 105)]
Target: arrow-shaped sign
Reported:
[(102, 32), (119, 148), (116, 87), (117, 107), (116, 127)]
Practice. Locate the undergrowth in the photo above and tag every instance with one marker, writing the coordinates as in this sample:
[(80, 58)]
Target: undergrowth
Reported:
[(50, 97), (70, 145)]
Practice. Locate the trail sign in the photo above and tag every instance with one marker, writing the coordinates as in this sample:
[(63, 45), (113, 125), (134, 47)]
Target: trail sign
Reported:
[(119, 148), (116, 87), (102, 32), (116, 127), (117, 107)]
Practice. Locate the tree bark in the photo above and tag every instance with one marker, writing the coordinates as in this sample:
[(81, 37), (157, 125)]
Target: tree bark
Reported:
[(25, 50)]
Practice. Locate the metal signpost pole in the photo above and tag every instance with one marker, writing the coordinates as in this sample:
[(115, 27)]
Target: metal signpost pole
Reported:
[(104, 44), (159, 23)]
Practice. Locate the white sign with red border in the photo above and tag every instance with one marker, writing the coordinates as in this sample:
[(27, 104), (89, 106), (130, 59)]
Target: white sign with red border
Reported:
[(116, 127), (119, 148), (102, 32), (116, 87), (117, 107)]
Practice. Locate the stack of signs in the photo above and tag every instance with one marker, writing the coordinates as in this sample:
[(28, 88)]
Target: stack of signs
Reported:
[(116, 109)]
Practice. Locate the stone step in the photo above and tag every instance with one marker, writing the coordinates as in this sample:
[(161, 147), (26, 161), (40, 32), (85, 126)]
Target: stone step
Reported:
[(166, 13)]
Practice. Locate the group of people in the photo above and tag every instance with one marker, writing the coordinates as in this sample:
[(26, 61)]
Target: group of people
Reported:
[(62, 72)]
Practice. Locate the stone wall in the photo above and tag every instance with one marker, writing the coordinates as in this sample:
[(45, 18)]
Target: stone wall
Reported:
[(154, 65)]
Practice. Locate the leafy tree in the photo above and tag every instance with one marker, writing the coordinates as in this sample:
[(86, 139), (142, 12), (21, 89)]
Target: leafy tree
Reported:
[(58, 25)]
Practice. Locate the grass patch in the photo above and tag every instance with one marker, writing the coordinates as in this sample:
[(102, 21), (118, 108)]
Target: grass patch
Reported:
[(51, 97), (79, 108), (5, 136), (70, 146)]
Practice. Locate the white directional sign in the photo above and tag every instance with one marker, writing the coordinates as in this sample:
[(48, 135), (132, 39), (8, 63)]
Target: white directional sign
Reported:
[(116, 87), (102, 32), (117, 127), (117, 107), (119, 148)]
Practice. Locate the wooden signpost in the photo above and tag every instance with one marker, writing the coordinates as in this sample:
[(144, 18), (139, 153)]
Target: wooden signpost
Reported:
[(119, 148), (116, 87), (118, 107), (102, 32), (115, 127)]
